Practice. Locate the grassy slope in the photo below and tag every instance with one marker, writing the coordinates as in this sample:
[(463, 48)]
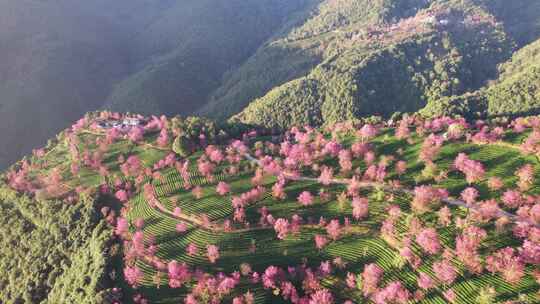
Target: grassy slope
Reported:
[(355, 250)]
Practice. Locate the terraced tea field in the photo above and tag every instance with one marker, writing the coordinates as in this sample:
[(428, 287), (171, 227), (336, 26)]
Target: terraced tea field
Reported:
[(360, 244), (347, 215)]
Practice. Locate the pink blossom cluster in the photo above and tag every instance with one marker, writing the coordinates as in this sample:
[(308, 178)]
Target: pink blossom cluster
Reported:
[(394, 292), (205, 167), (474, 171), (19, 181), (282, 228), (508, 263), (156, 123), (487, 136), (163, 139), (467, 245), (445, 271), (214, 154), (334, 229), (430, 148), (469, 195), (428, 239), (526, 177), (367, 132), (212, 252), (246, 198), (136, 134), (132, 167), (213, 289), (402, 131), (375, 173), (531, 145), (427, 197), (223, 188), (360, 208), (169, 161), (178, 273), (305, 198), (371, 276), (133, 275)]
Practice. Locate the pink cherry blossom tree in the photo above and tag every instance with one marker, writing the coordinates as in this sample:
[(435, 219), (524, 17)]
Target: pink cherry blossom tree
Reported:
[(321, 296), (467, 248), (508, 263), (445, 272), (122, 226), (192, 249), (223, 188), (212, 252), (181, 227), (512, 198), (425, 281), (526, 177), (282, 228), (360, 207), (326, 176), (469, 195), (371, 276), (401, 167), (334, 229), (427, 197), (394, 292), (495, 183), (136, 134), (163, 138), (428, 239), (320, 241), (305, 198), (197, 192), (178, 274), (133, 275), (474, 171)]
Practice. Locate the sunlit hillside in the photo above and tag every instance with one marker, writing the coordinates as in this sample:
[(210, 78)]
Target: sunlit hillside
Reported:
[(125, 209)]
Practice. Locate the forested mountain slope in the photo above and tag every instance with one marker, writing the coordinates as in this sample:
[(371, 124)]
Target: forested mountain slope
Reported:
[(446, 49), (184, 53), (302, 47), (515, 92)]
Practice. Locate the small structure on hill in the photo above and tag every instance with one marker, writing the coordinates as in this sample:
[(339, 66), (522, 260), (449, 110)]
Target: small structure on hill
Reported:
[(125, 123)]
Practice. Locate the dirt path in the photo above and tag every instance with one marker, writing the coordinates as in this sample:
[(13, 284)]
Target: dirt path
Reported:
[(393, 189)]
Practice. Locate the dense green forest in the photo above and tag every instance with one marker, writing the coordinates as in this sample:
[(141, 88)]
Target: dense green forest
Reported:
[(515, 92), (444, 50), (53, 251), (438, 55)]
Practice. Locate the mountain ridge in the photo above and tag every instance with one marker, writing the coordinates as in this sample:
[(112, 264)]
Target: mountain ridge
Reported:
[(167, 58)]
